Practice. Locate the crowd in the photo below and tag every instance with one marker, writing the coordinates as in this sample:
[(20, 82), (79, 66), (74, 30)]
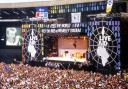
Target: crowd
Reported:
[(20, 76)]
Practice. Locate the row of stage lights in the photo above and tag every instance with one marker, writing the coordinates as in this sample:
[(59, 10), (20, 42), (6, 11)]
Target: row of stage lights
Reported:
[(80, 7)]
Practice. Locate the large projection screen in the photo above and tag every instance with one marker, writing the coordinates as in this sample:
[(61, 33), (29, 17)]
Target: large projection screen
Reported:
[(13, 36)]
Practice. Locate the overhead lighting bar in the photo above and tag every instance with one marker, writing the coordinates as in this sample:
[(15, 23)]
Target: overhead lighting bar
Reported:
[(23, 12), (10, 20), (6, 12), (15, 12), (32, 12)]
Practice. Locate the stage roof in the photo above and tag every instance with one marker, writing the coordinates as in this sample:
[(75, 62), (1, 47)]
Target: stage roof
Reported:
[(20, 1)]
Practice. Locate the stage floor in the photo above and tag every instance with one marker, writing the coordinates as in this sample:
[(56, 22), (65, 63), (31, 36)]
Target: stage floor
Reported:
[(84, 60)]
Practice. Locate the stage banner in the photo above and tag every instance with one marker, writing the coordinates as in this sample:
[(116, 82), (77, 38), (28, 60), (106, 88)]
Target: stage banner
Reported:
[(109, 6), (104, 43), (42, 12), (76, 17), (32, 43)]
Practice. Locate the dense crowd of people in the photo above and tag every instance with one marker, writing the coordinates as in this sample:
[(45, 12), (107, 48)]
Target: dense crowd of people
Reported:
[(20, 76)]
